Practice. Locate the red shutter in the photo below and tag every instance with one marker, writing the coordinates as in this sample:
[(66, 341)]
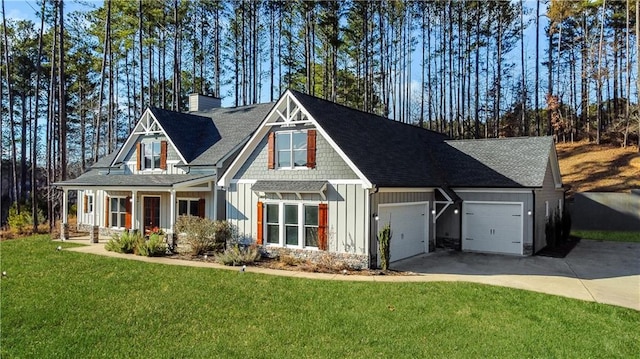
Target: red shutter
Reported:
[(260, 235), (85, 204), (271, 153), (163, 155), (127, 215), (106, 211), (322, 226), (311, 149), (201, 208), (138, 156)]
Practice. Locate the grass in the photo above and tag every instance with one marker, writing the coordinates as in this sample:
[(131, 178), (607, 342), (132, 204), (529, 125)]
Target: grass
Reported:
[(65, 304), (614, 236)]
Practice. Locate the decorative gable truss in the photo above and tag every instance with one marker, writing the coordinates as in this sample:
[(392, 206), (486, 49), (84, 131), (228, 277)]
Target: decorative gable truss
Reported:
[(288, 112), (146, 126)]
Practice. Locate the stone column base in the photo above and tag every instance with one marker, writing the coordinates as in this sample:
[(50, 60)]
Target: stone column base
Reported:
[(94, 233), (64, 231)]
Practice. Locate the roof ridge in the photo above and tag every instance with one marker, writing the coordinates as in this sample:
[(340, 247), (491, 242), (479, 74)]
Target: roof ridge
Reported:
[(367, 113)]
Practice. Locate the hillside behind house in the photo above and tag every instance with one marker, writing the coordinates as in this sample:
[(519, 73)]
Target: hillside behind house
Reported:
[(587, 167)]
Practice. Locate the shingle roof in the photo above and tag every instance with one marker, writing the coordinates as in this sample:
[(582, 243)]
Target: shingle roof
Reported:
[(190, 133), (388, 153), (501, 162), (394, 154), (93, 178), (234, 125)]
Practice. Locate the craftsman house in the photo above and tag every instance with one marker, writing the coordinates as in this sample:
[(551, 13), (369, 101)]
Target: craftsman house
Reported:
[(317, 178), (167, 167)]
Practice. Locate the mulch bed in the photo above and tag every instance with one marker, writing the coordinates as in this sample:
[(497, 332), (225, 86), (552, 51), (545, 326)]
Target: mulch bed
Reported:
[(300, 266), (561, 250)]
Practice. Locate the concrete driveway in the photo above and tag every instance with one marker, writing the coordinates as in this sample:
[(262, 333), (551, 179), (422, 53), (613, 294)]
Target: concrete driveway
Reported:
[(604, 272)]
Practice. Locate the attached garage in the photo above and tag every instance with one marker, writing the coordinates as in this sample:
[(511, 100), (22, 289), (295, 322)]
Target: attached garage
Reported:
[(495, 227), (409, 227)]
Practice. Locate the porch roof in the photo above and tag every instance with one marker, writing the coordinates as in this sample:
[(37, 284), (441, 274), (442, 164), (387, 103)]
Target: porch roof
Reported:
[(95, 179)]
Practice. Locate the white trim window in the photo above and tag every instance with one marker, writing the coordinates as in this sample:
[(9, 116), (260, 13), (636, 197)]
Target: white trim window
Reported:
[(151, 155), (117, 212), (292, 224), (189, 207), (291, 149)]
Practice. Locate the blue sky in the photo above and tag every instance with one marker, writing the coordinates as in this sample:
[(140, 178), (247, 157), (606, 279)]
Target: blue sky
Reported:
[(27, 9)]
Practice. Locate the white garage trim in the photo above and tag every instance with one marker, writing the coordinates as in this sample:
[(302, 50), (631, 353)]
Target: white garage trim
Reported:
[(421, 233), (466, 232)]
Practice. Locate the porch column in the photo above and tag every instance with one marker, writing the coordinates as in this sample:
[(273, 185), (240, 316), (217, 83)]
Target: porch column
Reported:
[(172, 213), (95, 229), (215, 201), (134, 204), (64, 226)]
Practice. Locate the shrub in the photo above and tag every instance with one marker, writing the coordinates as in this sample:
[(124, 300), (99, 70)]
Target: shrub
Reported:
[(125, 242), (237, 255), (384, 239), (203, 235), (22, 222), (152, 247)]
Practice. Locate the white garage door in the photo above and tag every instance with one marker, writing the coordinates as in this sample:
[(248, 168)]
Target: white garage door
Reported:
[(409, 227), (492, 227)]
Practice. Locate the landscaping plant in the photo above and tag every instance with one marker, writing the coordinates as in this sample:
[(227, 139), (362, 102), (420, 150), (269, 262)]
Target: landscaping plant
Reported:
[(125, 242), (202, 234), (238, 255), (155, 246)]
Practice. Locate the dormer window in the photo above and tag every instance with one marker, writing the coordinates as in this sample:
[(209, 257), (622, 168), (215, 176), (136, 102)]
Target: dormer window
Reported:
[(151, 155), (292, 149)]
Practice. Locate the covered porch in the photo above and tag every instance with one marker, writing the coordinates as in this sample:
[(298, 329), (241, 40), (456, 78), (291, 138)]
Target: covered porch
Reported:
[(109, 204)]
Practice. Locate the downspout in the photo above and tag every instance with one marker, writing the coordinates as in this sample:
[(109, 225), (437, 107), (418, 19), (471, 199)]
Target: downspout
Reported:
[(373, 235), (533, 224)]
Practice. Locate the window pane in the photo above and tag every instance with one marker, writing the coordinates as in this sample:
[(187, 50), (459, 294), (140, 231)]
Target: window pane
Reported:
[(122, 220), (182, 208), (273, 233), (156, 148), (156, 161), (311, 236), (114, 205), (311, 215), (299, 158), (147, 162), (283, 141), (284, 158), (123, 206), (272, 213), (291, 214), (292, 235), (299, 140), (193, 208), (114, 219)]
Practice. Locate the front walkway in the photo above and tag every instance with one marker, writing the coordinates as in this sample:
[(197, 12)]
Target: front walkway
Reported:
[(603, 272)]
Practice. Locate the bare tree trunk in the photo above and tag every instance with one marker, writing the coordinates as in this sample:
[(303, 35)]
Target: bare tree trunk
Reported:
[(628, 84), (98, 121), (34, 134), (525, 121), (638, 61), (599, 80), (141, 57), (14, 169), (537, 77), (51, 131)]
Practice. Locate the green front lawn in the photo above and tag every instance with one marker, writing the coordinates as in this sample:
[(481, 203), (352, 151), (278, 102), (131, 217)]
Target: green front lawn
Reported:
[(62, 304), (616, 236)]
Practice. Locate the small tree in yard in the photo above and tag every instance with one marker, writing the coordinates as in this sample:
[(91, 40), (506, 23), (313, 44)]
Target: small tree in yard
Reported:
[(384, 241)]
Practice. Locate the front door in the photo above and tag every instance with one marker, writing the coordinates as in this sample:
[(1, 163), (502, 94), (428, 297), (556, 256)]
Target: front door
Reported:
[(151, 213)]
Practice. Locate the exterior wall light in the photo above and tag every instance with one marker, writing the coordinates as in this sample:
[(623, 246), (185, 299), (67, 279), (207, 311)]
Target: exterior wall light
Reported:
[(433, 211), (529, 213), (455, 211)]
